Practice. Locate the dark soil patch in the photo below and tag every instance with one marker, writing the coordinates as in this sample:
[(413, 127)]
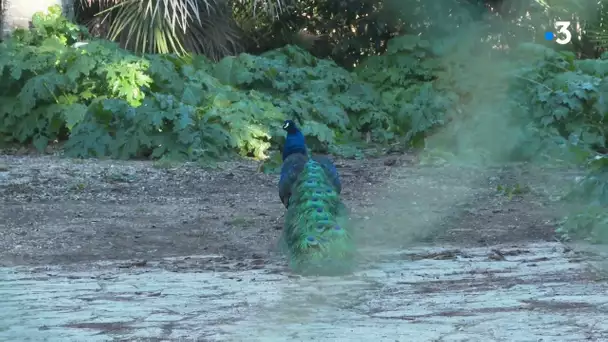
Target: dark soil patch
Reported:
[(499, 218), (63, 211), (496, 220)]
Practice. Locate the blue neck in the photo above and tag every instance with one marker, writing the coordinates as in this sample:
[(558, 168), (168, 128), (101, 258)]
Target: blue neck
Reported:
[(294, 143)]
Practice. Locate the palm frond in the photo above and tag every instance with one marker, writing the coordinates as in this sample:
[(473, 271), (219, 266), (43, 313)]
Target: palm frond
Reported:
[(177, 26)]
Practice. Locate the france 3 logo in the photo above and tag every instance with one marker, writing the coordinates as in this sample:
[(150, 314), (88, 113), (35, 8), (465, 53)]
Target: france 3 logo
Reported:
[(563, 35)]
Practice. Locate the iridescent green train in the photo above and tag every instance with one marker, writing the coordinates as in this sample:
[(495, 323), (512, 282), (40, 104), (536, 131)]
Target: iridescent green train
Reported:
[(316, 234)]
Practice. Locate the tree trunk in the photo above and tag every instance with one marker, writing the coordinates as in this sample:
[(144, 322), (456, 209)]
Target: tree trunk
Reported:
[(18, 13)]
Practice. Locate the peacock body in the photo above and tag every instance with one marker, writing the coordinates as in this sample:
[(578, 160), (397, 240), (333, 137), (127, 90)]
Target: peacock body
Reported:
[(316, 236)]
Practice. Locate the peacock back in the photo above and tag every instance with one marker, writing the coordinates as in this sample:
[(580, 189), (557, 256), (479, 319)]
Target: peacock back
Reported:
[(316, 233)]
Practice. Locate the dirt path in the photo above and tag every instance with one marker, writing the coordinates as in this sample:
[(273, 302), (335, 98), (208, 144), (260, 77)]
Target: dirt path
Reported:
[(105, 251)]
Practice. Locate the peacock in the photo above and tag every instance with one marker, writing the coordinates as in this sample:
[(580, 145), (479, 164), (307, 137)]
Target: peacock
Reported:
[(315, 236)]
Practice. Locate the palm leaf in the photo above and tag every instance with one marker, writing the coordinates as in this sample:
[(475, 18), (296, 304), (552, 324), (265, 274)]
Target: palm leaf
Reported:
[(153, 25), (164, 26), (176, 26)]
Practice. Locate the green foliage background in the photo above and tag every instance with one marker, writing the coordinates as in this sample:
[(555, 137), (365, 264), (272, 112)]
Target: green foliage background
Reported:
[(455, 92)]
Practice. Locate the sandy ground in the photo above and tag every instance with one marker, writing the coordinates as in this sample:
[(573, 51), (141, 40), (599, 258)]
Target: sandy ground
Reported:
[(126, 251)]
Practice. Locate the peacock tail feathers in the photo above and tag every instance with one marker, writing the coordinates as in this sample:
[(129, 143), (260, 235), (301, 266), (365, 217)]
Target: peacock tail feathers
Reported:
[(316, 234)]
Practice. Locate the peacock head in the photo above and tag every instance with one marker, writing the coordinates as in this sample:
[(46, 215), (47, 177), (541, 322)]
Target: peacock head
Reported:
[(290, 127)]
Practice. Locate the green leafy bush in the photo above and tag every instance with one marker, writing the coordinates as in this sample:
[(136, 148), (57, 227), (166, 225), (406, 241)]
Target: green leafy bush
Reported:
[(563, 102), (563, 96), (51, 24), (326, 99), (106, 102), (109, 103), (405, 75)]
